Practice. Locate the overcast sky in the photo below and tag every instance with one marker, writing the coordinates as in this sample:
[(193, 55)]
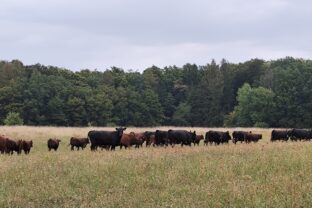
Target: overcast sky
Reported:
[(136, 34)]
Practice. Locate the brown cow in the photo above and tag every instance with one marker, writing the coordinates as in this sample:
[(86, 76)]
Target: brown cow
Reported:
[(53, 144), (250, 137), (27, 145), (151, 140), (78, 142), (198, 138), (2, 144), (13, 146), (128, 140), (140, 139)]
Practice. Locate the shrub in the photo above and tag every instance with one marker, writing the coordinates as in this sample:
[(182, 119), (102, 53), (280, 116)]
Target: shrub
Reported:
[(13, 119)]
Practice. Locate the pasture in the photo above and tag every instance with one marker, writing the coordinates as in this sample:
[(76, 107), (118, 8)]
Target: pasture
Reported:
[(264, 174)]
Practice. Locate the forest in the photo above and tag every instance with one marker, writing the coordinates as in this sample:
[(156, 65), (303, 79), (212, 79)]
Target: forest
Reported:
[(255, 93)]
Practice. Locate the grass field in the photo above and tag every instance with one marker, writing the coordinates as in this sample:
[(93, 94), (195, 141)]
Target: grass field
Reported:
[(253, 175)]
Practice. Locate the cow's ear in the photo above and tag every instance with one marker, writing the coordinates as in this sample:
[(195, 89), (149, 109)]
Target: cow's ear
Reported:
[(125, 128)]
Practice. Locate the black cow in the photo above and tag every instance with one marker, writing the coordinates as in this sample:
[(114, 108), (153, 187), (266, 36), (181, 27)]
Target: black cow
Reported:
[(105, 138), (181, 137), (282, 135), (217, 137), (209, 137), (161, 138), (239, 136), (300, 134)]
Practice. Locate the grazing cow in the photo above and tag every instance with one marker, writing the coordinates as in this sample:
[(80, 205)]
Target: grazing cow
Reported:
[(161, 138), (53, 144), (127, 140), (217, 137), (239, 136), (12, 145), (2, 144), (251, 137), (149, 138), (300, 134), (26, 146), (181, 137), (104, 138), (282, 135), (78, 143), (198, 138)]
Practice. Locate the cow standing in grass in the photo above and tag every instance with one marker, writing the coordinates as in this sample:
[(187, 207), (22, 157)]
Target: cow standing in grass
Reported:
[(78, 143), (140, 139), (217, 137), (182, 137), (149, 138), (198, 139), (127, 140), (105, 138), (282, 135), (300, 134), (161, 138), (251, 137), (13, 146), (26, 146), (53, 144), (239, 136)]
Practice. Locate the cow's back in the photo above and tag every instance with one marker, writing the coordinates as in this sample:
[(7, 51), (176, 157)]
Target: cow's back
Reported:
[(102, 137)]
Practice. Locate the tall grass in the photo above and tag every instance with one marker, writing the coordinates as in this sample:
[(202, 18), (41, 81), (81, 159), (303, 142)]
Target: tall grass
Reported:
[(253, 175)]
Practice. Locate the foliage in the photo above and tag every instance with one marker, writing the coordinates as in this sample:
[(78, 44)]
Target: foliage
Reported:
[(255, 106), (13, 119), (279, 94)]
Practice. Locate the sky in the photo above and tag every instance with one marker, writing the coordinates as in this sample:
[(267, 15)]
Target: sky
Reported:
[(136, 34)]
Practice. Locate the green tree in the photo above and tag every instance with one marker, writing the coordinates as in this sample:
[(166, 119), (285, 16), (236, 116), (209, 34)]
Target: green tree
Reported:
[(181, 115), (206, 99), (13, 118), (76, 113), (99, 108), (255, 106)]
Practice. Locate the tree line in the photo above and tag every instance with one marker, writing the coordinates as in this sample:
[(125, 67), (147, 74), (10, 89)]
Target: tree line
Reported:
[(258, 93)]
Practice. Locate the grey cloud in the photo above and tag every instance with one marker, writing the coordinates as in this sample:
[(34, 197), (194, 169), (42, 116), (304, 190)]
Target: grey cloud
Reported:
[(138, 33)]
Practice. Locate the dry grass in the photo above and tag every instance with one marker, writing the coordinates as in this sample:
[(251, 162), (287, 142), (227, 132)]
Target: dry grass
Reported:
[(254, 175)]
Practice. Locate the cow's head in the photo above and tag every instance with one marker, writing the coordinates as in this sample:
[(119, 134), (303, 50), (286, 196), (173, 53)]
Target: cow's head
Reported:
[(120, 131), (193, 135)]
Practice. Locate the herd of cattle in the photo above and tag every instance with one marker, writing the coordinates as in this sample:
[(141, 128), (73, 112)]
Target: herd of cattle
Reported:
[(110, 139)]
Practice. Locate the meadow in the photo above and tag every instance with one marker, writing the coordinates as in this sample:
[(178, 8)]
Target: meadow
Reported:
[(264, 174)]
